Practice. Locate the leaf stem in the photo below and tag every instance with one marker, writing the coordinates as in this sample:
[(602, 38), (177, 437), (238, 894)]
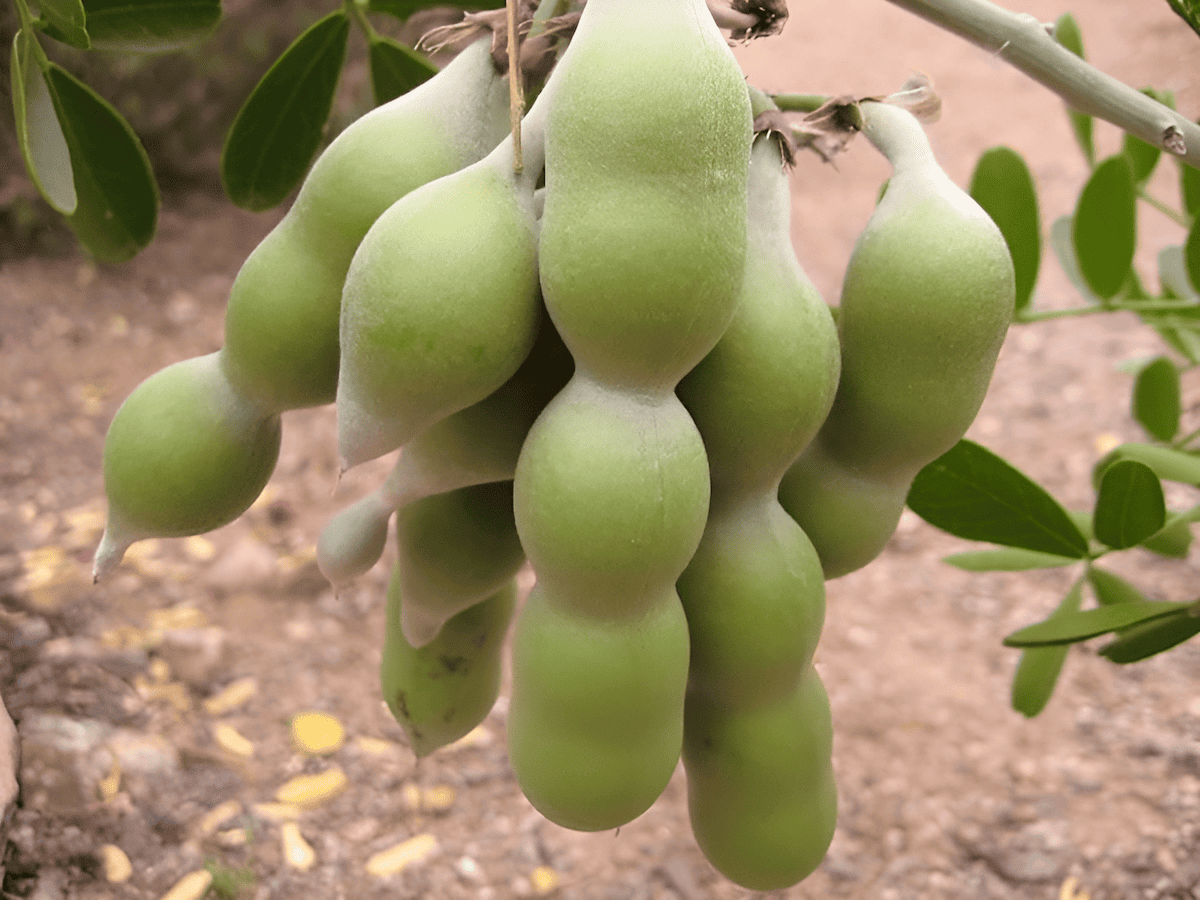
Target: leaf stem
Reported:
[(358, 13), (1023, 42), (1171, 213), (1023, 317)]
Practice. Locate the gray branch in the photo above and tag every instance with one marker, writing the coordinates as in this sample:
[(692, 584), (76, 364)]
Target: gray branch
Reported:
[(1024, 42)]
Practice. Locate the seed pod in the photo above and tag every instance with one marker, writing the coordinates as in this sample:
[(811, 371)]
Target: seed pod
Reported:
[(185, 454), (281, 326), (641, 254), (926, 301), (441, 691)]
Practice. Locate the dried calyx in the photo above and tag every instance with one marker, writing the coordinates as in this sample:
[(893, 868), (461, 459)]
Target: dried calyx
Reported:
[(538, 52)]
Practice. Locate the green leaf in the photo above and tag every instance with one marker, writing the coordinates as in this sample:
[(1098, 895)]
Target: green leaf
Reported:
[(148, 26), (39, 134), (972, 493), (1191, 255), (1003, 185), (1063, 244), (278, 130), (1104, 227), (1189, 11), (1145, 640), (396, 69), (1070, 628), (1157, 405), (1168, 464), (1130, 505), (117, 209), (1039, 667), (1189, 188), (1172, 541), (1111, 589), (402, 9), (66, 21), (1173, 274), (1068, 33), (1008, 559)]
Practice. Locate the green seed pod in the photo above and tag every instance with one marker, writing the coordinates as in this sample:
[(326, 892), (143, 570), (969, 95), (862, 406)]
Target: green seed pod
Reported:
[(441, 303), (440, 692), (641, 254), (185, 454), (454, 549), (281, 326), (926, 301), (353, 540), (761, 793), (754, 592)]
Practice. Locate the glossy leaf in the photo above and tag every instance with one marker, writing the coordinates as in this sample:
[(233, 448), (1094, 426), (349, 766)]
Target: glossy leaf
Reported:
[(396, 69), (1007, 559), (1069, 628), (402, 9), (39, 134), (1173, 541), (1039, 667), (65, 20), (1168, 464), (1003, 185), (117, 209), (1129, 506), (1145, 640), (1068, 33), (1063, 244), (1189, 11), (149, 26), (1157, 404), (278, 130), (972, 493), (1104, 227), (1111, 589)]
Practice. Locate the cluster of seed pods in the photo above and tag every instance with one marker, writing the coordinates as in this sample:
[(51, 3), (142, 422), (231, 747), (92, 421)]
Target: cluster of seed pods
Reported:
[(607, 363)]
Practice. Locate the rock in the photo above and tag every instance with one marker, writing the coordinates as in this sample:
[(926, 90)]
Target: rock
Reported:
[(10, 763), (195, 655), (62, 761)]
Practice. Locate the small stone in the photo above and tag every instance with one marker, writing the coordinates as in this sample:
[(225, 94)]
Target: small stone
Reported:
[(317, 733), (311, 790), (397, 858), (117, 867), (195, 655), (297, 852), (143, 754), (192, 886)]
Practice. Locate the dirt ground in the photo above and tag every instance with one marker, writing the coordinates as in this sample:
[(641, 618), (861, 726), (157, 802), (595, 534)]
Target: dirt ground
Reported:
[(945, 792)]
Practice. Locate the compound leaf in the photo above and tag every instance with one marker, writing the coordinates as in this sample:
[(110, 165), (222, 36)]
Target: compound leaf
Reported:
[(116, 212), (1168, 464), (1157, 404), (65, 20), (1104, 226), (278, 130), (1007, 559), (1003, 185), (1189, 11), (973, 493), (1069, 628), (1130, 505), (1149, 638), (1039, 667), (1110, 588), (39, 134)]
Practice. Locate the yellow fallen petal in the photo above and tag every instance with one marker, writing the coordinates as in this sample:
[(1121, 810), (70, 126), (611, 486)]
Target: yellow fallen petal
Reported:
[(375, 746), (476, 737), (317, 733), (110, 784), (411, 795), (192, 886), (232, 741), (310, 790), (231, 697), (277, 812), (390, 861), (296, 851), (218, 816), (232, 837), (199, 548), (544, 879), (181, 616), (117, 867), (160, 670)]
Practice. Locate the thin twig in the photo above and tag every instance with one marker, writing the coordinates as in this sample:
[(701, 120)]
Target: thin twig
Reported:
[(516, 96), (1022, 41)]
